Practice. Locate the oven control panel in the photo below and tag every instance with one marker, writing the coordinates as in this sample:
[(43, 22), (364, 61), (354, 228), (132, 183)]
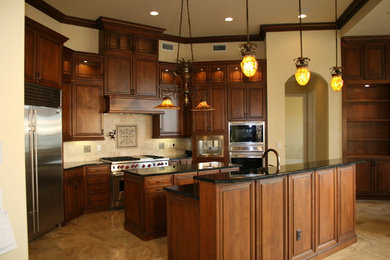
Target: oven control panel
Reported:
[(137, 165)]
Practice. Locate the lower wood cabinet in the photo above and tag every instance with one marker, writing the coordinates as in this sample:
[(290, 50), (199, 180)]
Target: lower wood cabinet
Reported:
[(271, 219), (184, 178), (346, 203), (74, 193), (98, 195), (155, 210), (301, 215), (86, 189)]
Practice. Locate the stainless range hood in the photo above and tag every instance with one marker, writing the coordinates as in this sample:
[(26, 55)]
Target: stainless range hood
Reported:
[(132, 105)]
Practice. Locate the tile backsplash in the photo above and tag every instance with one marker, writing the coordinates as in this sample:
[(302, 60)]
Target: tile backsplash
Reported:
[(91, 150)]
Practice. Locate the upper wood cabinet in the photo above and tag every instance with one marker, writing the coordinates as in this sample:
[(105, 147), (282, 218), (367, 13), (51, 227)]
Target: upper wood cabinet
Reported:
[(82, 97), (246, 103), (365, 58), (130, 58), (43, 54), (235, 74)]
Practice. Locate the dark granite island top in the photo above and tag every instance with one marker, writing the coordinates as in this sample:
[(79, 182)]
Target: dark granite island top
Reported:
[(174, 169), (270, 172)]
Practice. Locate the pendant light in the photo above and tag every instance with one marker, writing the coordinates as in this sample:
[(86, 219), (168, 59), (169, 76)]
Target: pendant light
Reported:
[(336, 82), (302, 75), (188, 86), (249, 63)]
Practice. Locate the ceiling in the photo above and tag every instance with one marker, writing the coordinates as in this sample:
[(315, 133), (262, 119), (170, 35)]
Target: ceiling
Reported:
[(207, 16)]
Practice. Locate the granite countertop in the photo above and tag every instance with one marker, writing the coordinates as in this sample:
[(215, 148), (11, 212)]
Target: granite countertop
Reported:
[(179, 157), (71, 165), (188, 190), (269, 172), (180, 168)]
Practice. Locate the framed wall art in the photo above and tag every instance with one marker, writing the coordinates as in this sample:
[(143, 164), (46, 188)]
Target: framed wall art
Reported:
[(126, 136)]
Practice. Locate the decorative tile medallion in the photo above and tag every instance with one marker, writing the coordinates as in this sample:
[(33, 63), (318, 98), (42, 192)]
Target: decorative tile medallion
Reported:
[(126, 136)]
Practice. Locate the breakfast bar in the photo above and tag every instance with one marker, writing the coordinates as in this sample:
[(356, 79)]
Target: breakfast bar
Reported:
[(299, 211)]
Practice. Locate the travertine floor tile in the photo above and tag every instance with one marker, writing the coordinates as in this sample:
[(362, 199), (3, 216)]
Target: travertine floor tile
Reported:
[(100, 236)]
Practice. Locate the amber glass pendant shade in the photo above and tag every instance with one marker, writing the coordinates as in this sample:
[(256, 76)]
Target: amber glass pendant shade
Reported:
[(249, 65), (302, 75), (203, 106), (166, 104), (336, 82)]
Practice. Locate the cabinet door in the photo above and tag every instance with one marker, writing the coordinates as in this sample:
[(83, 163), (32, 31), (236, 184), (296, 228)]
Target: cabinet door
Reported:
[(326, 208), (167, 76), (346, 202), (145, 75), (87, 66), (374, 61), (117, 79), (218, 116), (236, 103), (155, 210), (301, 211), (255, 103), (388, 61), (235, 74), (271, 220), (184, 178), (352, 57), (66, 110), (29, 55), (133, 200), (364, 178), (86, 108), (218, 74), (74, 193), (382, 177), (49, 58), (201, 119)]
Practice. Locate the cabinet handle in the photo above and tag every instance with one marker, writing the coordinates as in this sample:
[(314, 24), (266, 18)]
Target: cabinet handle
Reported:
[(132, 92), (39, 76), (102, 132)]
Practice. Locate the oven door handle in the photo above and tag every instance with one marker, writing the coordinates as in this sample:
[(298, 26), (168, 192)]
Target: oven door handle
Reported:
[(246, 155)]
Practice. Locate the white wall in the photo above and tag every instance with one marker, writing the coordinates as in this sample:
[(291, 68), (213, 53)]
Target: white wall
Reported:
[(12, 171), (281, 49)]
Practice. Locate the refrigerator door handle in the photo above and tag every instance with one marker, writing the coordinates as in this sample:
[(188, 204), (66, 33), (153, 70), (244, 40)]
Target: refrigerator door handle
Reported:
[(31, 128), (36, 170)]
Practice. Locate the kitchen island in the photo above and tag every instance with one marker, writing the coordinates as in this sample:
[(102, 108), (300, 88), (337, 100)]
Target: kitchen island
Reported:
[(145, 199), (301, 211)]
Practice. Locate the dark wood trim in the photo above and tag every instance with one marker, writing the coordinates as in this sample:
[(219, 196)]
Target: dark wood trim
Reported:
[(59, 16), (209, 39), (294, 27), (351, 10), (364, 39), (109, 23), (58, 37)]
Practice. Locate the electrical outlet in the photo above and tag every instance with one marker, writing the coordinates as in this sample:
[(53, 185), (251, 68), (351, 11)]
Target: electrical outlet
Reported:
[(87, 148), (98, 147), (298, 234), (161, 146)]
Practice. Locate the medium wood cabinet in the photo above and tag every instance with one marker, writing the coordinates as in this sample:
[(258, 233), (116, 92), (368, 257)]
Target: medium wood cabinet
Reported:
[(246, 103), (382, 177), (325, 208), (272, 219), (43, 54), (211, 121), (82, 96), (74, 193), (98, 195), (301, 215), (117, 79)]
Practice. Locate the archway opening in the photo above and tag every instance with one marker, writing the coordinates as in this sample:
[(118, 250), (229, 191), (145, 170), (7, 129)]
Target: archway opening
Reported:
[(307, 120)]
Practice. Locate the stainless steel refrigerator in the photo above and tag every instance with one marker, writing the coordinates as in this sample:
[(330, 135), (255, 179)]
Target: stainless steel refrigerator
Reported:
[(43, 155)]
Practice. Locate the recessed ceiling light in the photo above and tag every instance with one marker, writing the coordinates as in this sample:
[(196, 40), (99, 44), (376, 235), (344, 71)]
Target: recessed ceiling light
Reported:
[(154, 13), (303, 16), (228, 19)]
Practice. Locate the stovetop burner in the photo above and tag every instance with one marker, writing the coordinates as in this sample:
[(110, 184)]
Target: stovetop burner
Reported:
[(120, 158), (153, 156)]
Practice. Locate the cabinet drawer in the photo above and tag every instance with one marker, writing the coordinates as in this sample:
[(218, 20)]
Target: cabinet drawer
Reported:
[(208, 172), (98, 200), (98, 178), (72, 174), (98, 188), (158, 181), (184, 178), (98, 169)]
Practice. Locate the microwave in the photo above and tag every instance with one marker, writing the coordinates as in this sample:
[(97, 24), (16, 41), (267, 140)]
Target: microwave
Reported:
[(247, 135)]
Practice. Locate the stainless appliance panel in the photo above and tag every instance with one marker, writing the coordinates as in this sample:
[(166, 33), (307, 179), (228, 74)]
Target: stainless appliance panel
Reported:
[(44, 173)]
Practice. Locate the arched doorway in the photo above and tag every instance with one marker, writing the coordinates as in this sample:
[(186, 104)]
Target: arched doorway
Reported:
[(307, 120)]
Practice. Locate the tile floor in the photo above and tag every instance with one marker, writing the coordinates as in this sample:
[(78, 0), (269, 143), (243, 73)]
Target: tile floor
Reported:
[(101, 236)]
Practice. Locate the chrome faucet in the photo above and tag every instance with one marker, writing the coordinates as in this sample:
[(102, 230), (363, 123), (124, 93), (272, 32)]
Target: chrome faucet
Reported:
[(277, 158)]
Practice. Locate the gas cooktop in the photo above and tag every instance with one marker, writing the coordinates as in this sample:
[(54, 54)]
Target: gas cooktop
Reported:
[(119, 163)]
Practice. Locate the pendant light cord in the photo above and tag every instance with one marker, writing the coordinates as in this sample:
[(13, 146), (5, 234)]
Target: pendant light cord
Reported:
[(300, 26), (189, 30), (247, 22), (180, 25), (335, 19)]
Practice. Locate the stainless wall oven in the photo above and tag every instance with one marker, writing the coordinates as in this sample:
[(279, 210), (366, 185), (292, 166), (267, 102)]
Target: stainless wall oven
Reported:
[(247, 143)]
